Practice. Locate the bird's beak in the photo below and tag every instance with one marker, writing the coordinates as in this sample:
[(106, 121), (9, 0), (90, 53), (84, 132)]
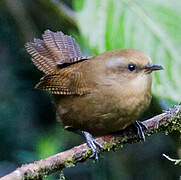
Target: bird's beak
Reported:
[(153, 67)]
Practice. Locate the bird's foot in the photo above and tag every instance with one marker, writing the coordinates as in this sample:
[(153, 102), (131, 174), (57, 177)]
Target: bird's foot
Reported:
[(91, 142), (140, 126)]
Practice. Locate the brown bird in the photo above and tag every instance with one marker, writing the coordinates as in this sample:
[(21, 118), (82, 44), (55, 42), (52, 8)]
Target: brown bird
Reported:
[(95, 95)]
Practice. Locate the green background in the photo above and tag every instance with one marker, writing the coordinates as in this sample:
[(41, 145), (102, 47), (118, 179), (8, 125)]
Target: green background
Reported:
[(28, 127)]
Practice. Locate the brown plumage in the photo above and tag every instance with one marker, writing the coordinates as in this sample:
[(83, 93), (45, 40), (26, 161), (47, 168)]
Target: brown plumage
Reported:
[(55, 48), (100, 94)]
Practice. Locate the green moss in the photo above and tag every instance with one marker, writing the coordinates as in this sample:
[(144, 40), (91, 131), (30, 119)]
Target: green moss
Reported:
[(69, 163), (62, 177), (87, 153), (108, 146), (173, 124), (112, 146)]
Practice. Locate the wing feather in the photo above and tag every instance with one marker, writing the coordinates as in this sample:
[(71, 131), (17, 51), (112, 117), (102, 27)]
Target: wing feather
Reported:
[(57, 56), (65, 82)]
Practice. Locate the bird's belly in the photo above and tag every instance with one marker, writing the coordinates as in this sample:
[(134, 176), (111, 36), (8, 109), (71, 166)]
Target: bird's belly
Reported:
[(97, 114)]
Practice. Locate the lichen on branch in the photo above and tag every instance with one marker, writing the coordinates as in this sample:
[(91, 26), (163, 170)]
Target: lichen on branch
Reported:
[(168, 122)]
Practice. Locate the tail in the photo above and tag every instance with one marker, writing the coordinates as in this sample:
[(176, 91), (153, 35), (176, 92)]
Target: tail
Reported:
[(55, 48)]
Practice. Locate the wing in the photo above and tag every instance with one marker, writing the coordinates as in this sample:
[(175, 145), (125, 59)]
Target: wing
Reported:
[(55, 49), (66, 81)]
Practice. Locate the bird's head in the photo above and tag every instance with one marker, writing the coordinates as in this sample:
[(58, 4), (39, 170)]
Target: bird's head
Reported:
[(128, 66)]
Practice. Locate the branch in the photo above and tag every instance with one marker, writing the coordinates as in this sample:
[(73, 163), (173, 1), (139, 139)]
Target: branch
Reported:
[(168, 121)]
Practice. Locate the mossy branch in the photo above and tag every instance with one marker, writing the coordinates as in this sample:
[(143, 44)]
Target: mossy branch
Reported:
[(168, 122)]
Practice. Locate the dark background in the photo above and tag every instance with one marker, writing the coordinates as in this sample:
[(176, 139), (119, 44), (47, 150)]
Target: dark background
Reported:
[(28, 127)]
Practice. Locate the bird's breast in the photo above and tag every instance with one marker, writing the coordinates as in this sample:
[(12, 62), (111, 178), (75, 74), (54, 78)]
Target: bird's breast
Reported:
[(105, 109)]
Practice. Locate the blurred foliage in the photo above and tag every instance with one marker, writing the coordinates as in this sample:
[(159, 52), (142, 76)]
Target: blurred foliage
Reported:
[(28, 127), (150, 26)]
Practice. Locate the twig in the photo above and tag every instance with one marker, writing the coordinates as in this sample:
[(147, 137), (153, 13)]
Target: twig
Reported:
[(168, 121), (176, 161)]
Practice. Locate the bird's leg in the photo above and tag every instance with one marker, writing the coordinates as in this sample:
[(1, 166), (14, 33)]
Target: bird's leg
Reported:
[(91, 142), (139, 126)]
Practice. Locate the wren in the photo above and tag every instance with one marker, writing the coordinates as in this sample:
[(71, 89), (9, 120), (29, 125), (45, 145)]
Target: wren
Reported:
[(95, 95)]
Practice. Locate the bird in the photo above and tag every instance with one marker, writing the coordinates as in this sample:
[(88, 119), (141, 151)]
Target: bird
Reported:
[(93, 95)]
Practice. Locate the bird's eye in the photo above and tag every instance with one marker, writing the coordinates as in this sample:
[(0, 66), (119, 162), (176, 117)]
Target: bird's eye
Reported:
[(131, 67)]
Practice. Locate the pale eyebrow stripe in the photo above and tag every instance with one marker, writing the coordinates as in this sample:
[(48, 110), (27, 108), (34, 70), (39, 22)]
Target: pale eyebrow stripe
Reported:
[(115, 62)]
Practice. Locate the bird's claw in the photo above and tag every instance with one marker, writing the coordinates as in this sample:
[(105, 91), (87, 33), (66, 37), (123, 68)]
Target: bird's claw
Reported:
[(139, 126), (93, 144)]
